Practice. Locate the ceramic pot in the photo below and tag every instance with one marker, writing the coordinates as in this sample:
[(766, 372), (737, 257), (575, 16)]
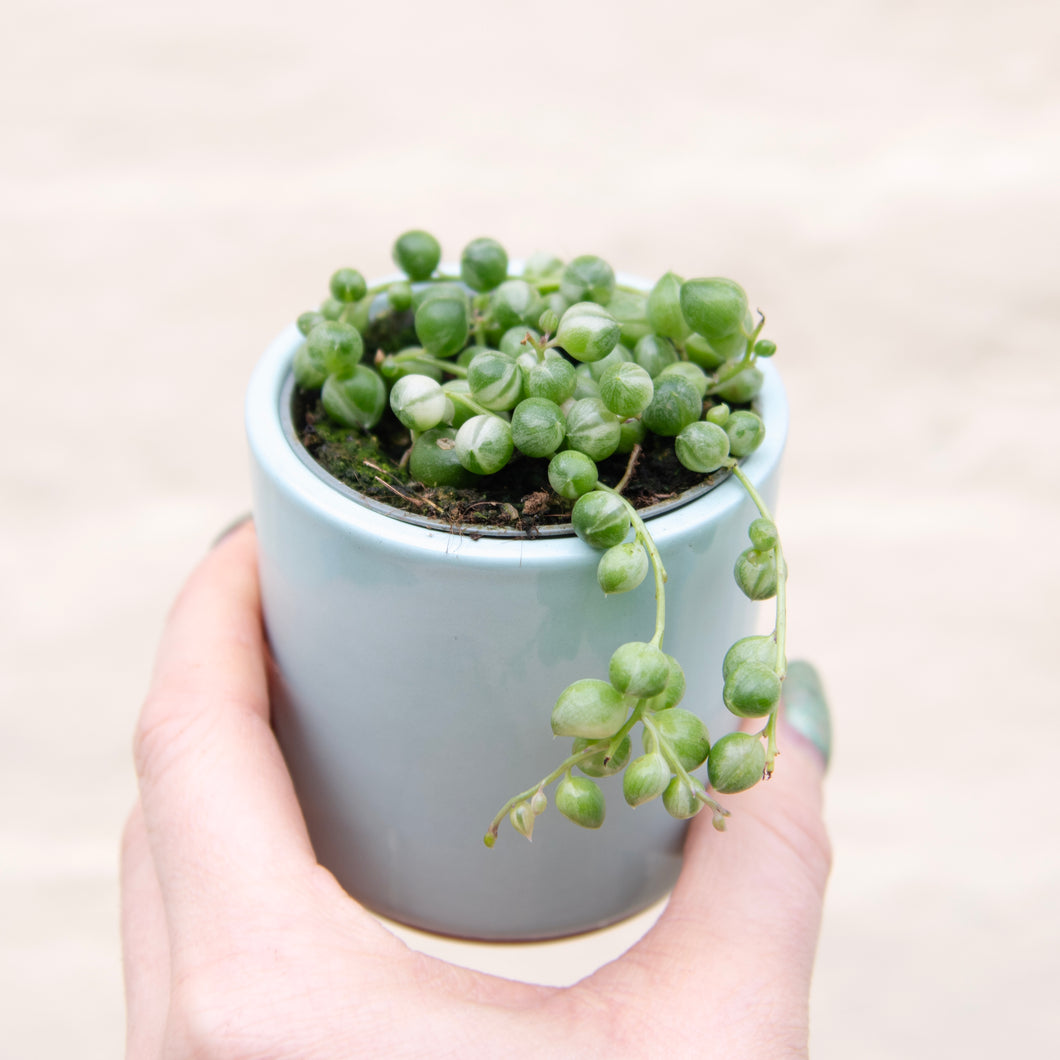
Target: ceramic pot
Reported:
[(416, 671)]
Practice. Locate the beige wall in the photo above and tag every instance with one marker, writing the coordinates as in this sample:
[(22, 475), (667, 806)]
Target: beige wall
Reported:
[(179, 180)]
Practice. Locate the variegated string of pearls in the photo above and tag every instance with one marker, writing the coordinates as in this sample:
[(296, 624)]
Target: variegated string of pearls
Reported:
[(561, 363)]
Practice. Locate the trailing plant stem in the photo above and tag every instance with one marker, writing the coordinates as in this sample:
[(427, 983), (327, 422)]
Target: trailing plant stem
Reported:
[(472, 404), (780, 631), (425, 360), (659, 571), (679, 770), (564, 767), (770, 733), (748, 357)]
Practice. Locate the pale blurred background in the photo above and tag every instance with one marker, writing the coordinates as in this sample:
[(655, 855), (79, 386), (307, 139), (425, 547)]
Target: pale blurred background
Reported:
[(178, 181)]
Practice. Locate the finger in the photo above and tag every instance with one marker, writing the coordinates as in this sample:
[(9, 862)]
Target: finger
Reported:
[(752, 896), (219, 807), (145, 945)]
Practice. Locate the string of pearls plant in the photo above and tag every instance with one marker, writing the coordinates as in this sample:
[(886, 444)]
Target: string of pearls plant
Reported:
[(562, 364)]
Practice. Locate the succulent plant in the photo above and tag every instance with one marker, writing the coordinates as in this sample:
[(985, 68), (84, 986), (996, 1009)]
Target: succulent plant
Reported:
[(564, 365)]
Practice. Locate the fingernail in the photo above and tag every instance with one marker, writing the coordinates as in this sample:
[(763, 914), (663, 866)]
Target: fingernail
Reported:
[(231, 528), (805, 708)]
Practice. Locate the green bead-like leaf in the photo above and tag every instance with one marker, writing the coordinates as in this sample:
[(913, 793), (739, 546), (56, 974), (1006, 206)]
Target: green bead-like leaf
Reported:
[(702, 447), (514, 303), (548, 321), (622, 568), (449, 289), (619, 355), (763, 534), (542, 266), (309, 368), (580, 801), (692, 372), (553, 378), (664, 308), (357, 400), (557, 303), (600, 519), (687, 736), (718, 414), (571, 474), (417, 254), (674, 405), (736, 763), (419, 402), (588, 279), (347, 285), (399, 295), (484, 444), (307, 321), (332, 309), (483, 264), (639, 669), (749, 649), (746, 433), (645, 779), (756, 574), (752, 690), (674, 691), (654, 354), (538, 427), (434, 460), (680, 799), (626, 389), (630, 309), (592, 428), (715, 308), (589, 708), (496, 381), (588, 332), (442, 325), (337, 346), (741, 387)]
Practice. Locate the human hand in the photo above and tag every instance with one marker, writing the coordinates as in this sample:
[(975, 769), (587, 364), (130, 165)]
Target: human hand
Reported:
[(237, 944)]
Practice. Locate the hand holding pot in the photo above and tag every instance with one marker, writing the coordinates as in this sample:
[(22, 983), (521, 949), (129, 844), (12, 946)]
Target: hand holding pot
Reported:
[(237, 943)]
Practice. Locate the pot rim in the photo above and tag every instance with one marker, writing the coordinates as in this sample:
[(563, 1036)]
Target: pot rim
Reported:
[(280, 455)]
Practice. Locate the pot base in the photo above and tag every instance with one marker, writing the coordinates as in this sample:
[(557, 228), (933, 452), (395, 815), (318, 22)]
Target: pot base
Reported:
[(423, 874)]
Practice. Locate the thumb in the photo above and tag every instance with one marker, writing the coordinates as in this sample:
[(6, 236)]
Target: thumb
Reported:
[(754, 893)]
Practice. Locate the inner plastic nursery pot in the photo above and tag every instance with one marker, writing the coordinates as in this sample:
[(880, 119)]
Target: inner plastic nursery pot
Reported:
[(416, 670)]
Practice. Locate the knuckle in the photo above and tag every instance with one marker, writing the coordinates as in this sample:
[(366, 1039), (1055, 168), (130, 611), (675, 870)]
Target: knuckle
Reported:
[(161, 732), (222, 1010), (202, 1023)]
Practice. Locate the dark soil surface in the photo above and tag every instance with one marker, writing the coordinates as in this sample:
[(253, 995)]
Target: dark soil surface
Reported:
[(517, 498)]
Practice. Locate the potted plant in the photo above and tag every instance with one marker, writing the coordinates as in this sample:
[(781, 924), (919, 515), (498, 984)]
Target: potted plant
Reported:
[(494, 499)]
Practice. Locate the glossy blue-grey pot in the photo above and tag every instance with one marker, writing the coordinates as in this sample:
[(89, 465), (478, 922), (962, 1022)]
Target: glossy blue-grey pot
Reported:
[(416, 671)]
